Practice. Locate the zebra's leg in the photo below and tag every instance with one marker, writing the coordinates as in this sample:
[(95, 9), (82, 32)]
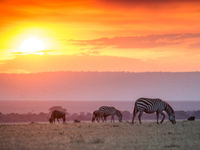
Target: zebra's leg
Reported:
[(97, 119), (112, 118), (157, 116), (134, 114), (163, 117), (105, 119), (139, 116), (101, 119)]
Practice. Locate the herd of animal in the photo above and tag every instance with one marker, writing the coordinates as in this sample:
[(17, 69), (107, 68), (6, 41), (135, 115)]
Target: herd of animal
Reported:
[(147, 105)]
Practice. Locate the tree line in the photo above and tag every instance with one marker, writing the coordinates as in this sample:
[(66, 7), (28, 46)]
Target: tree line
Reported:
[(82, 116)]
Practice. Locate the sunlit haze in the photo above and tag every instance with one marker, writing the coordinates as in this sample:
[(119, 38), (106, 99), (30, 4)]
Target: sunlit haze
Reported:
[(99, 35)]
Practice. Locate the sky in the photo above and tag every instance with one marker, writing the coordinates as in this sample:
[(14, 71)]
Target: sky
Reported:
[(99, 35)]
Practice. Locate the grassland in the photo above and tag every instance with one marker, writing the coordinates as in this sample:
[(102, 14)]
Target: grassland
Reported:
[(104, 136)]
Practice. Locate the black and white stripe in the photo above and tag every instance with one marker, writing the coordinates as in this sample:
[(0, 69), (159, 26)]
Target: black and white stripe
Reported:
[(106, 111), (149, 105)]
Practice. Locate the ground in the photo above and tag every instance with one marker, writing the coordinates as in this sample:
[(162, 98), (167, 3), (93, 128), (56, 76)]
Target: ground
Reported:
[(103, 136)]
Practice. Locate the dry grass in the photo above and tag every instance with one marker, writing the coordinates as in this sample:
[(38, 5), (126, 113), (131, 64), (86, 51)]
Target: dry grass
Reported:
[(103, 136)]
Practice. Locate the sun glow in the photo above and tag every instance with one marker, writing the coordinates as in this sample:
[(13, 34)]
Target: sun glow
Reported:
[(32, 46)]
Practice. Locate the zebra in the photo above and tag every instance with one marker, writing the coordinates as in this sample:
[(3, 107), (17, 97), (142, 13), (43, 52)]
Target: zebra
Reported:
[(106, 111), (97, 115), (149, 105)]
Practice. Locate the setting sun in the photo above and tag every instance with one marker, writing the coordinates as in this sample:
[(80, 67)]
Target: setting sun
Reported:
[(100, 35), (32, 45)]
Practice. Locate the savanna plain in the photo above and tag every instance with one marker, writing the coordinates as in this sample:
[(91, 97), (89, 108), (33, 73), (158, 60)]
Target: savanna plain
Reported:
[(100, 136)]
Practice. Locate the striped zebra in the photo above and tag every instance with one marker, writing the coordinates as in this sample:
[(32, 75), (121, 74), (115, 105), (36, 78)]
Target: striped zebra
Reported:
[(149, 105), (97, 115), (106, 111)]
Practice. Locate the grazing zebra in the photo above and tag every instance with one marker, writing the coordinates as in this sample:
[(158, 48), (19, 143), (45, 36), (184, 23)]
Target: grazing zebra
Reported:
[(97, 115), (149, 105), (106, 111)]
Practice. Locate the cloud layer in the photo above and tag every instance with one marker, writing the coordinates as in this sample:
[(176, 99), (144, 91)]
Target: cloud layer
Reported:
[(102, 35), (51, 63), (149, 41)]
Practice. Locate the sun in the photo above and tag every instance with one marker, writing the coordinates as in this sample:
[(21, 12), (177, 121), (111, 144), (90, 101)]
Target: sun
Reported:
[(32, 45)]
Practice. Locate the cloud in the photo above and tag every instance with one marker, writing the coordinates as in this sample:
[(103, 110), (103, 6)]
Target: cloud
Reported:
[(194, 45), (36, 52), (49, 63), (134, 2), (149, 41)]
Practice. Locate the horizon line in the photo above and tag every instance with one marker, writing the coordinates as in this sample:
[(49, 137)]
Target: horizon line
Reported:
[(62, 100), (68, 71)]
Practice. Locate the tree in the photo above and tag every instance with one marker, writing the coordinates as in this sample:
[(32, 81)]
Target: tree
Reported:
[(126, 115)]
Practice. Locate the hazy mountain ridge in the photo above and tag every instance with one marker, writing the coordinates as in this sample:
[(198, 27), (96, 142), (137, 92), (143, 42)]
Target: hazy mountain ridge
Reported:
[(100, 86)]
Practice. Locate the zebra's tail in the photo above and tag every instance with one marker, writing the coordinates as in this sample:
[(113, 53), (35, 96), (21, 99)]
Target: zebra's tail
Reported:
[(135, 110)]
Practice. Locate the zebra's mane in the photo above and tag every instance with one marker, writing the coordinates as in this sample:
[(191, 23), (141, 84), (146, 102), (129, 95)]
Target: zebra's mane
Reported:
[(118, 113)]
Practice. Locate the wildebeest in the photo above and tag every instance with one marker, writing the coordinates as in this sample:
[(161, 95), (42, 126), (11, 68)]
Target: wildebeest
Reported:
[(57, 115), (191, 118)]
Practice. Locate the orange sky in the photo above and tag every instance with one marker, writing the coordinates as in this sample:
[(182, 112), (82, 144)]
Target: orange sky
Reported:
[(100, 35)]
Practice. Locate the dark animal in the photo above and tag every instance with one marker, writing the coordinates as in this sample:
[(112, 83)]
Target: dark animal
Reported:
[(191, 118), (106, 111), (97, 115), (77, 121), (149, 105), (57, 115)]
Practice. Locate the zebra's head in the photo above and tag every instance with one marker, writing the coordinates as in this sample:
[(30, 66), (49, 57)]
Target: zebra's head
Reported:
[(170, 113), (172, 118), (119, 114)]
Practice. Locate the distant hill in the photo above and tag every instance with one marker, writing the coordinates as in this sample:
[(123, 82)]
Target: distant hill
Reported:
[(100, 86)]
